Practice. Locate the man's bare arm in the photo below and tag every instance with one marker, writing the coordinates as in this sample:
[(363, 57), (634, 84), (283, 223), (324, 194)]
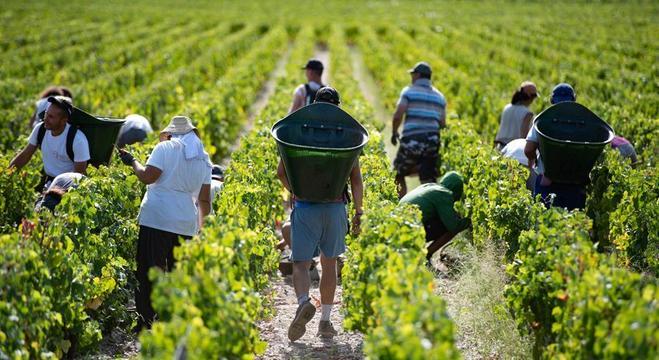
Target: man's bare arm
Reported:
[(23, 157), (281, 174)]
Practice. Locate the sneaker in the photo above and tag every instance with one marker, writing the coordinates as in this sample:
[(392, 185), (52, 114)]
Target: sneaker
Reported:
[(326, 330), (303, 315)]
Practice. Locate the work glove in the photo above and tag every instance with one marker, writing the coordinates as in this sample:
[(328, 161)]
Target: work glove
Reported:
[(394, 138), (126, 157)]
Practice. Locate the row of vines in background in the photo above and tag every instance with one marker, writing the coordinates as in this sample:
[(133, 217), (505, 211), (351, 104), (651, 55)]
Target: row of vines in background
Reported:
[(68, 280), (387, 290), (559, 283)]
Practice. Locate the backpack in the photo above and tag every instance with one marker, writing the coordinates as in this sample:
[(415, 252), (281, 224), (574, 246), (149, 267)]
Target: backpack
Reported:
[(70, 136), (311, 94)]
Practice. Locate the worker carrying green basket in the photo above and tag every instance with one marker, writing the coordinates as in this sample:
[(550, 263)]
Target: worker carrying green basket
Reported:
[(570, 138), (319, 146)]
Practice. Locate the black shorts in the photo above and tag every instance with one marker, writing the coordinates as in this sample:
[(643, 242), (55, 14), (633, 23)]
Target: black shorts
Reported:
[(434, 229), (420, 150)]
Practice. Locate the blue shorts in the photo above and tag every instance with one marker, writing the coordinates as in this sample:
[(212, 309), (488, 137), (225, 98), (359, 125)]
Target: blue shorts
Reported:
[(323, 225), (569, 196)]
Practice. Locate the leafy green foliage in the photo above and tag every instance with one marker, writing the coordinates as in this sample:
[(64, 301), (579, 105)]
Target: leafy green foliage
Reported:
[(17, 194), (67, 279), (608, 314), (625, 212), (388, 292)]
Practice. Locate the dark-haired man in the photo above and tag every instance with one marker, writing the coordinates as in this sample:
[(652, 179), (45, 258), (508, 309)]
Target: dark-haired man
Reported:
[(424, 109), (306, 93), (319, 226), (63, 148)]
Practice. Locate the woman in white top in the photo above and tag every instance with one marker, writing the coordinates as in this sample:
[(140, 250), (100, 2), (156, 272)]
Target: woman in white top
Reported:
[(178, 177), (516, 117)]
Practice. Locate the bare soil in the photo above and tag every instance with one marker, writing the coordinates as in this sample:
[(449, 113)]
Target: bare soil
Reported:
[(346, 345)]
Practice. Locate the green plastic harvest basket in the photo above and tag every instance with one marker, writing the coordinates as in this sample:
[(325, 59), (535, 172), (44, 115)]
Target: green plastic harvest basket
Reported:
[(319, 145), (101, 133), (571, 139)]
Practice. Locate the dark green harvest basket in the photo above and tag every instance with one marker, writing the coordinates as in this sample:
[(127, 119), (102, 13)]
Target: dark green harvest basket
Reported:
[(571, 139), (319, 145), (101, 133)]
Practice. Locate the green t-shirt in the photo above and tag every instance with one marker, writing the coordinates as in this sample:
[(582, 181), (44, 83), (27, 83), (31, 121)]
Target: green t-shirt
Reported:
[(435, 200)]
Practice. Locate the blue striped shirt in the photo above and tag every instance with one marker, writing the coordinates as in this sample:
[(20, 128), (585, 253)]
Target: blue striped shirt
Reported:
[(425, 107)]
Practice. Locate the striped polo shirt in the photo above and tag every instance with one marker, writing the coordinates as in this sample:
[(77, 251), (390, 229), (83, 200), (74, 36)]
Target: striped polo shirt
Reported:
[(425, 107)]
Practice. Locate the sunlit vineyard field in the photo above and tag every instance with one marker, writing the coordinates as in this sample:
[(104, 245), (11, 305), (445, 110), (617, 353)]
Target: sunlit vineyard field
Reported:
[(580, 284)]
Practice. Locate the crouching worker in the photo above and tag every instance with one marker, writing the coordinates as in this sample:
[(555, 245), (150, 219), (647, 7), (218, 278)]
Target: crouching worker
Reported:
[(178, 177), (60, 186), (435, 201)]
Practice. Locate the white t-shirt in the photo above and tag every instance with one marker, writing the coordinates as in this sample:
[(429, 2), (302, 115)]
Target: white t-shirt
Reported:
[(53, 150), (65, 181), (301, 91), (170, 203), (216, 188), (515, 150), (511, 121), (532, 136)]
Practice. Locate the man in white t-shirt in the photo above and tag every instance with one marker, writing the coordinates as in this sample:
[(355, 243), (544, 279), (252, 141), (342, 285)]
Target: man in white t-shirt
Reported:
[(57, 157), (177, 198), (306, 93)]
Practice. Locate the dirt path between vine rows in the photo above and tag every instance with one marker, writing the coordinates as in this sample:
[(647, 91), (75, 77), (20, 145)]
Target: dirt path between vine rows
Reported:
[(346, 345), (261, 100), (274, 331)]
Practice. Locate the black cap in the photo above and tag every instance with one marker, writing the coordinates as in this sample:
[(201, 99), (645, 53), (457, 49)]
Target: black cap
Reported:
[(314, 64), (63, 102), (422, 68), (328, 94), (217, 172)]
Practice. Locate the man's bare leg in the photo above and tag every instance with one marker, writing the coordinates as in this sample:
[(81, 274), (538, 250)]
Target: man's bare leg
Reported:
[(305, 310), (327, 289), (301, 279), (327, 280), (286, 236), (401, 185)]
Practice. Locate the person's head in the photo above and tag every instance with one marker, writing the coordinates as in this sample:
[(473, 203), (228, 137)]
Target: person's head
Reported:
[(420, 71), (58, 113), (562, 92), (51, 91), (314, 70), (131, 134), (179, 125), (329, 95), (453, 181), (217, 173), (51, 198), (66, 92), (525, 94)]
